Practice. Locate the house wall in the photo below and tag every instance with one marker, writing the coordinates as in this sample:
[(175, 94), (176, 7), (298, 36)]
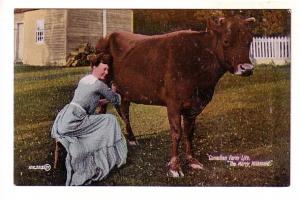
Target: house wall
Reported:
[(55, 36), (53, 50), (119, 20), (86, 25), (83, 26), (34, 53)]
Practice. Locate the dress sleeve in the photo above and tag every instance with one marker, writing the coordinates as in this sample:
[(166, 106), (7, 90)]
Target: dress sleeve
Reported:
[(110, 95)]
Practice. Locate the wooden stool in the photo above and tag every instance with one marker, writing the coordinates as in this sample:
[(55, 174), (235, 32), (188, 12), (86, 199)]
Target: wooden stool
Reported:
[(56, 153)]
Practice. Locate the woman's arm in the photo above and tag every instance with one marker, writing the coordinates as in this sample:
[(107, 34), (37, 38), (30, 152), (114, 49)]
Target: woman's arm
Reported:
[(109, 94)]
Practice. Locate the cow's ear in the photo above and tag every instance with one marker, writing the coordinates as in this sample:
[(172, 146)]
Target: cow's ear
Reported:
[(211, 25), (221, 20)]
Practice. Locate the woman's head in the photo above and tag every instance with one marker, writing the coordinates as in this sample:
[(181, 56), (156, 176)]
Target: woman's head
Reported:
[(96, 59), (100, 71), (100, 65)]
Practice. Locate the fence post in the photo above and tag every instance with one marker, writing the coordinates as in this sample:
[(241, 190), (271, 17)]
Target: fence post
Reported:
[(273, 48), (286, 47)]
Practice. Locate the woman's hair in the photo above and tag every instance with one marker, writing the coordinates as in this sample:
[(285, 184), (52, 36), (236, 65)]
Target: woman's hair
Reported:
[(96, 59)]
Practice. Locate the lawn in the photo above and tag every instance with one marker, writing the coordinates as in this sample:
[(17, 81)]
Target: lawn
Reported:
[(247, 117)]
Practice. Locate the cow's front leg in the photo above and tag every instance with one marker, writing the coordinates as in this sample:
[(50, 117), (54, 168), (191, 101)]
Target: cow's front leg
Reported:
[(188, 133), (175, 132), (123, 111)]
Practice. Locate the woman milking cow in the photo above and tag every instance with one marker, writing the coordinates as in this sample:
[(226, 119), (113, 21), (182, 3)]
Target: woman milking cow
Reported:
[(185, 67), (94, 142)]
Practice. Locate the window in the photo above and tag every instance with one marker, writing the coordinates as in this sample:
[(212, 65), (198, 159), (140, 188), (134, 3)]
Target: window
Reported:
[(39, 33)]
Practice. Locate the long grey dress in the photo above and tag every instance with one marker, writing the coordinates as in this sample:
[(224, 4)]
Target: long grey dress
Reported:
[(94, 143)]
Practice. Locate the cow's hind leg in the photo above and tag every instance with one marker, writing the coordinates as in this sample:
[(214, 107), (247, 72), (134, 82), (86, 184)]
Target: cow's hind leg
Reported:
[(123, 111), (188, 133), (175, 132)]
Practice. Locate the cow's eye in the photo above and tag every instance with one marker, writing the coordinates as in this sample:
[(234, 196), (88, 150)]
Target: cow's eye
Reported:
[(226, 42), (227, 39)]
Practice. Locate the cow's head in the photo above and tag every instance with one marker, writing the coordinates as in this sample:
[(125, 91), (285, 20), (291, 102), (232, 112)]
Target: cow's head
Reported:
[(235, 38)]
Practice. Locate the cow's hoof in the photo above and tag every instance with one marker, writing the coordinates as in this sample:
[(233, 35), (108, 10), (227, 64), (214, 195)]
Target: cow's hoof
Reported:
[(133, 143), (194, 163), (175, 170), (196, 166), (175, 174)]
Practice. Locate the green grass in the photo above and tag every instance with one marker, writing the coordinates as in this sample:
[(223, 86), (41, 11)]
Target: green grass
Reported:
[(249, 116)]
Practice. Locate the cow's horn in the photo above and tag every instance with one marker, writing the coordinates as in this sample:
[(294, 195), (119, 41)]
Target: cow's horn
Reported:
[(221, 19), (251, 19)]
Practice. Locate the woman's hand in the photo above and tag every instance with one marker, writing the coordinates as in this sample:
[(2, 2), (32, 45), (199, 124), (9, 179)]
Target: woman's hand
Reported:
[(103, 102), (113, 87)]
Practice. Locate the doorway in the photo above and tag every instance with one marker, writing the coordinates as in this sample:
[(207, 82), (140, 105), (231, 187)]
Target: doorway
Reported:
[(19, 43)]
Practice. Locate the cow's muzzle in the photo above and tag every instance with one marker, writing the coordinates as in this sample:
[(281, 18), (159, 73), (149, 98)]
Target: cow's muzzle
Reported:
[(245, 69)]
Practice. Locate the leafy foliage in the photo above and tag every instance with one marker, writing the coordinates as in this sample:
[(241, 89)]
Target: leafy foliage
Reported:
[(269, 22)]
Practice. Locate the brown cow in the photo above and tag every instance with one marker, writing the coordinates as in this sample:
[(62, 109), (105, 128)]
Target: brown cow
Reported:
[(178, 70)]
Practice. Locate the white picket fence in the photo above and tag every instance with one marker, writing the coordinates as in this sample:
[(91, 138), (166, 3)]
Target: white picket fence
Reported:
[(271, 50)]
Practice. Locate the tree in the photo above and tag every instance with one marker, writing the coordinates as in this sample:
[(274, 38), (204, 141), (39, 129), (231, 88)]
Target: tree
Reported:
[(268, 22)]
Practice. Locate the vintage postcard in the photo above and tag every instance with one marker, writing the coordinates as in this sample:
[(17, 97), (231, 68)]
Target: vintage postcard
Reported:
[(205, 97), (189, 99)]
